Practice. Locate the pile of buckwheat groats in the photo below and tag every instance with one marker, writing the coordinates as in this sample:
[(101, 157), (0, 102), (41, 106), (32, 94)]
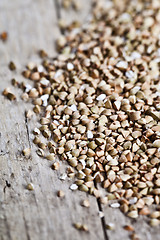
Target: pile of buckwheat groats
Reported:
[(99, 104)]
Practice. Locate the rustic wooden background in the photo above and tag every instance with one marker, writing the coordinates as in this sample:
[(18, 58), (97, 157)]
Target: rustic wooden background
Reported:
[(40, 214)]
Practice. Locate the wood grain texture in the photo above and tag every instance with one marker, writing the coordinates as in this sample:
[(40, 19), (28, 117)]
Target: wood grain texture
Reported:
[(40, 214), (115, 216), (141, 226)]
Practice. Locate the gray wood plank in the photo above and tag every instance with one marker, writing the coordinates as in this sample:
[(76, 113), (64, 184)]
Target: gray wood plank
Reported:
[(142, 228), (32, 25), (115, 216)]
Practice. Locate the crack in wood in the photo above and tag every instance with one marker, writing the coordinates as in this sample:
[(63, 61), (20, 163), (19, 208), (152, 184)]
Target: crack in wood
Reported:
[(58, 14), (6, 185), (27, 128), (103, 221), (3, 153)]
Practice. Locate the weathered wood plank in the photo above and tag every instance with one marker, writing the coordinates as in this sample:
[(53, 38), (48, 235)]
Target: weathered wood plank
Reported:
[(115, 216), (39, 214), (141, 226), (32, 25)]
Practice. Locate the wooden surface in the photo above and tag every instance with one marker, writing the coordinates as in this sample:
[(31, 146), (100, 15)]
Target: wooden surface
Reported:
[(40, 214)]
